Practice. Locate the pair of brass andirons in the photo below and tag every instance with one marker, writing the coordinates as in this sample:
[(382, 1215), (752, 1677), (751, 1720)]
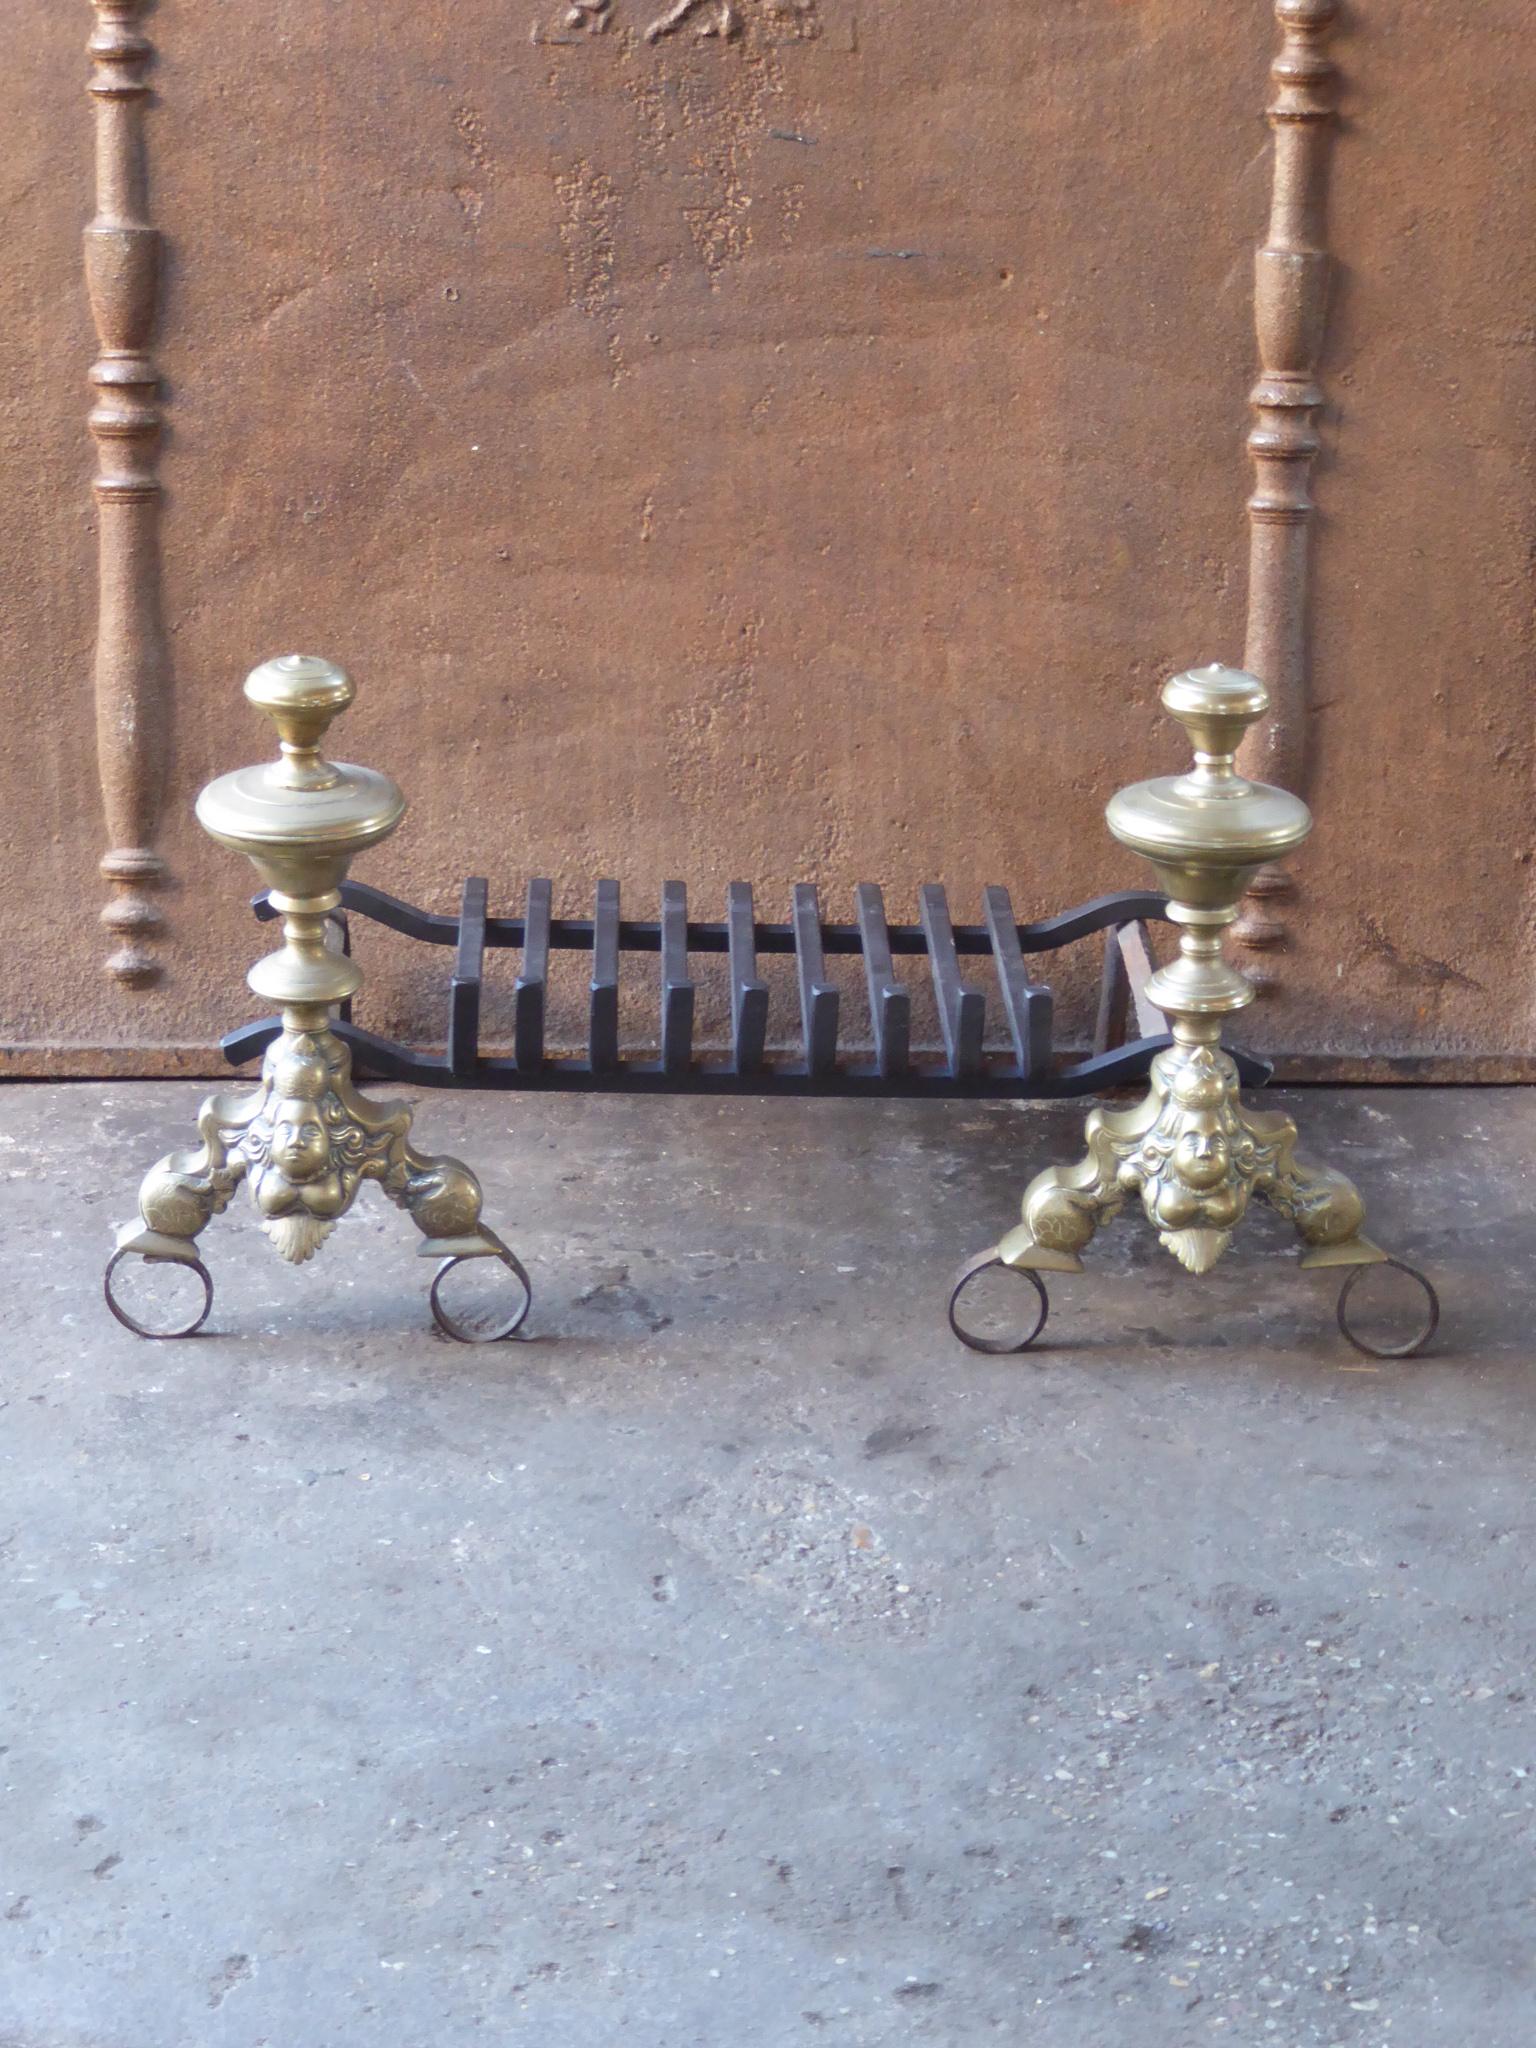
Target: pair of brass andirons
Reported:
[(305, 1140)]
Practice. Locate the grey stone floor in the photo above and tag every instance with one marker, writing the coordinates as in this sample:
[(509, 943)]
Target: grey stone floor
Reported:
[(739, 1663)]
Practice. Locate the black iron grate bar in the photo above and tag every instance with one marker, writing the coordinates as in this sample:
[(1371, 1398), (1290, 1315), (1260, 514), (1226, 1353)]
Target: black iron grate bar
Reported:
[(818, 996), (1027, 1005), (603, 1033), (338, 918), (890, 1006), (464, 989), (425, 925), (1114, 996), (749, 996), (1136, 951), (529, 989), (962, 1010), (676, 988)]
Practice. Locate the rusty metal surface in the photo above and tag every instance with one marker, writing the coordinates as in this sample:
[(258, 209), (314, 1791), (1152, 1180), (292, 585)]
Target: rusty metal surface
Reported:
[(1290, 304), (786, 452), (122, 276)]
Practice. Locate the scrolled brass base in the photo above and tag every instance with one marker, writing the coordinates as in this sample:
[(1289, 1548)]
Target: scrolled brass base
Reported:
[(1196, 1155), (303, 1142)]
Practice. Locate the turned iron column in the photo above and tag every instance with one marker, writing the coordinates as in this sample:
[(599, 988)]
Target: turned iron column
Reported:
[(305, 1140), (1192, 1151)]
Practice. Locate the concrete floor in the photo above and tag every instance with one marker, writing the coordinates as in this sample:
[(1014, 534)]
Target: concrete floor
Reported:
[(739, 1663)]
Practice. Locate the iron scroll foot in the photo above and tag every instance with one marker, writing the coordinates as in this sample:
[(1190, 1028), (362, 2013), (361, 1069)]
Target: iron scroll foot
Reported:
[(1063, 1209), (130, 1321), (996, 1347), (442, 1198), (461, 1328), (1411, 1346)]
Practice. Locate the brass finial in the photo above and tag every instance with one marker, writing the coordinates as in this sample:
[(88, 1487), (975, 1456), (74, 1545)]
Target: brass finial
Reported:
[(1192, 1151), (301, 821), (301, 694), (1206, 832), (305, 1140)]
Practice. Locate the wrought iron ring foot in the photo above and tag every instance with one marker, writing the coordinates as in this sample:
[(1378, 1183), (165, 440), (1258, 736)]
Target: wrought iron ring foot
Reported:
[(463, 1331), (130, 1322), (996, 1347), (1415, 1344)]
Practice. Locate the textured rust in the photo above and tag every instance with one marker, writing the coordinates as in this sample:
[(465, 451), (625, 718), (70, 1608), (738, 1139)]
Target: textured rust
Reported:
[(122, 274), (1290, 305), (797, 452)]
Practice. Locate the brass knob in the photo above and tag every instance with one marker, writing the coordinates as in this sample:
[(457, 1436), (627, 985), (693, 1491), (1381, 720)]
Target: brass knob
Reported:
[(301, 694), (301, 821), (1206, 831)]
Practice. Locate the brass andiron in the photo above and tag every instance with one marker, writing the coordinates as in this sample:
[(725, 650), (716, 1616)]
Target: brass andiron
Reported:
[(305, 1140), (1191, 1150)]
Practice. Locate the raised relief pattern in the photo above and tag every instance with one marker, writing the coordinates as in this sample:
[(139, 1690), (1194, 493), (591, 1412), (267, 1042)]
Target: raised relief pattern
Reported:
[(122, 252), (1290, 313), (706, 20)]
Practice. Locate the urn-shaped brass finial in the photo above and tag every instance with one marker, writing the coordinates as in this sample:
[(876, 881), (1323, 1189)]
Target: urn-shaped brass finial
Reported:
[(1206, 833), (305, 1140), (302, 820), (301, 694), (1192, 1151)]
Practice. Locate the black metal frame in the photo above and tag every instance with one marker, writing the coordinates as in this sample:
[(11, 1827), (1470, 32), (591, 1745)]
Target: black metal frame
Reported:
[(965, 1069)]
